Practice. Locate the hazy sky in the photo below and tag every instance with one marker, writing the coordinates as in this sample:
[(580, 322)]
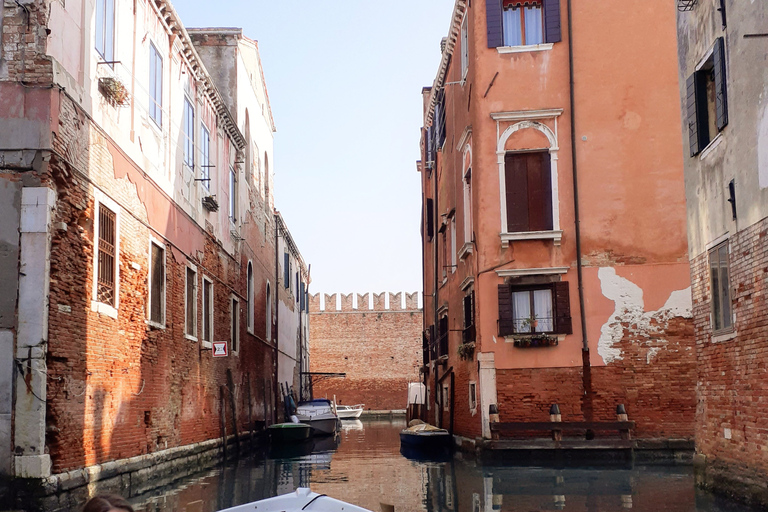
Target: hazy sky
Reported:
[(344, 81)]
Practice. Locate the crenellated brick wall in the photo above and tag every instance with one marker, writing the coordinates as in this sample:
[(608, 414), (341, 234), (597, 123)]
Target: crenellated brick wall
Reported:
[(378, 347)]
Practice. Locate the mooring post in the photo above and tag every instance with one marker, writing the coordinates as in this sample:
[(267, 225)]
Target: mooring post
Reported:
[(621, 415), (556, 417), (493, 417)]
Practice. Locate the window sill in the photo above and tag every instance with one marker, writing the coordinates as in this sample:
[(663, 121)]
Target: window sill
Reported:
[(526, 48), (207, 344), (104, 309), (190, 337), (155, 325), (513, 338), (556, 236), (465, 250), (725, 336), (710, 148)]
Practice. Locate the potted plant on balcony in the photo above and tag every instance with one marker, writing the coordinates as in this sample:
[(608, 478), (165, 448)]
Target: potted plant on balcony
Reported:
[(114, 90), (467, 350)]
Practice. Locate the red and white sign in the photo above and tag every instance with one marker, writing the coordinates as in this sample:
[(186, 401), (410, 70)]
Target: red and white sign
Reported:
[(220, 349)]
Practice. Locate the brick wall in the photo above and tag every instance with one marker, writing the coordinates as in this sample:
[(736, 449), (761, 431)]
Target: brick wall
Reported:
[(732, 373), (24, 43), (378, 349)]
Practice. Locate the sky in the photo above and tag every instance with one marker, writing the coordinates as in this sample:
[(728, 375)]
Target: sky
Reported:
[(344, 81)]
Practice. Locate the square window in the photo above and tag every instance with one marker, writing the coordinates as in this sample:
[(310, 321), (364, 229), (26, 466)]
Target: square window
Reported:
[(522, 23), (535, 309), (720, 285)]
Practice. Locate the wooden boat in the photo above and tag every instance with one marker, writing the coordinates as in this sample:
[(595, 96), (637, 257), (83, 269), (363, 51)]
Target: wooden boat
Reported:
[(289, 432), (320, 415), (349, 412), (301, 499), (425, 437)]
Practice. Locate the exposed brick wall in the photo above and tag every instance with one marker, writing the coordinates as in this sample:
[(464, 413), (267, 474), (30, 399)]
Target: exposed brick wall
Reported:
[(379, 350), (732, 374), (24, 43)]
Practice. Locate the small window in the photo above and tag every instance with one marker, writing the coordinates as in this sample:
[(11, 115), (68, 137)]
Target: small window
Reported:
[(464, 47), (107, 258), (105, 30), (232, 194), (720, 283), (207, 310), (205, 157), (189, 134), (707, 100), (190, 303), (157, 283), (522, 23), (251, 301), (472, 396), (155, 85), (235, 325)]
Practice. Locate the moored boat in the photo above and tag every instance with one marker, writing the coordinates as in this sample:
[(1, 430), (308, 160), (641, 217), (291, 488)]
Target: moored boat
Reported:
[(289, 432), (349, 412), (320, 415), (301, 499), (425, 437)]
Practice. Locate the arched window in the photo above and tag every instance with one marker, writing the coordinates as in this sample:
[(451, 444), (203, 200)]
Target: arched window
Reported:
[(251, 303), (268, 334)]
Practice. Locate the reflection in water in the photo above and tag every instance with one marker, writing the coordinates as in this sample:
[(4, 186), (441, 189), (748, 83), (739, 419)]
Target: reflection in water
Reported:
[(363, 466)]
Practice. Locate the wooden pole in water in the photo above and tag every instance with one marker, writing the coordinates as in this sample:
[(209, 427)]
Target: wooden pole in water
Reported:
[(233, 404), (250, 404), (222, 419)]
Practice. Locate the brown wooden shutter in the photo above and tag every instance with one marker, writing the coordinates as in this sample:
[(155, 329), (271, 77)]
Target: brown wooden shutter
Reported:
[(493, 19), (721, 99), (539, 192), (563, 322), (516, 178), (552, 31), (691, 87), (506, 320), (430, 218)]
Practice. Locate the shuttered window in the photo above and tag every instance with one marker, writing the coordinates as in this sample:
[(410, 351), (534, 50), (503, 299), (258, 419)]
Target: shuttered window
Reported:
[(157, 284), (286, 270), (518, 22), (535, 309), (528, 185), (105, 290), (707, 100), (430, 219)]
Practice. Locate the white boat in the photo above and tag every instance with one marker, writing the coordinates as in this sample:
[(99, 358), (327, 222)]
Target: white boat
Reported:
[(320, 415), (302, 499), (349, 412)]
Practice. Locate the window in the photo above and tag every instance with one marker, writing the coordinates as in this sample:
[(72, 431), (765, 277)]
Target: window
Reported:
[(429, 218), (720, 283), (105, 30), (157, 283), (468, 206), (235, 324), (189, 134), (472, 396), (468, 333), (207, 310), (443, 336), (444, 251), (155, 85), (107, 257), (464, 47), (286, 270), (707, 100), (268, 330), (302, 303), (205, 157), (528, 185), (543, 308), (453, 244), (439, 120), (232, 194), (522, 22), (446, 398), (266, 183), (251, 301), (190, 303)]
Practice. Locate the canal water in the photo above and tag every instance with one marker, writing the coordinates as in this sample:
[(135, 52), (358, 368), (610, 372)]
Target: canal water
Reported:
[(364, 466)]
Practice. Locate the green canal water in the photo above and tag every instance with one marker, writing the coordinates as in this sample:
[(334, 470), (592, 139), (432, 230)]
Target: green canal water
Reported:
[(364, 466)]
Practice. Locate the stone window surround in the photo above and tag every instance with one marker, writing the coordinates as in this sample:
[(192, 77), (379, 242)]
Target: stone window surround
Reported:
[(101, 308), (162, 245), (191, 337)]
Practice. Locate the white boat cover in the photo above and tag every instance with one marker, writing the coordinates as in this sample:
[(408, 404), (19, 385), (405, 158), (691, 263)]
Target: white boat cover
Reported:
[(302, 499)]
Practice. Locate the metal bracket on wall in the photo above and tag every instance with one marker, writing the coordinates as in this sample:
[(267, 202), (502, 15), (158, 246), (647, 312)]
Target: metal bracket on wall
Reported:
[(686, 5)]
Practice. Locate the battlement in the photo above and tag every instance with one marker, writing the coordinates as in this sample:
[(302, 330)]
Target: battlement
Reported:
[(351, 302)]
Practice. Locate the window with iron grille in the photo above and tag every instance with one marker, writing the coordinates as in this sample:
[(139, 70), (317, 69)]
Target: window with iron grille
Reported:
[(105, 291)]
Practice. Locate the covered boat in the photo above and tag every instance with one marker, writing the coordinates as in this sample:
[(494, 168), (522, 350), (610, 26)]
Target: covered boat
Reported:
[(289, 432), (423, 436), (319, 414), (302, 499)]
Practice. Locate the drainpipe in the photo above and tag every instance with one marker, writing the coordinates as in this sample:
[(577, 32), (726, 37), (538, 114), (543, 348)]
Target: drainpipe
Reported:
[(276, 300), (587, 375), (435, 265)]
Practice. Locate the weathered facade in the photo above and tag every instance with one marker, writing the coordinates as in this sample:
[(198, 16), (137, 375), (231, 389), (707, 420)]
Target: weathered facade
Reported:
[(723, 85), (555, 257), (378, 348), (137, 234)]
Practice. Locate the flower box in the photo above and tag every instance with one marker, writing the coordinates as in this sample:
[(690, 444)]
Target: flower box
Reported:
[(535, 340)]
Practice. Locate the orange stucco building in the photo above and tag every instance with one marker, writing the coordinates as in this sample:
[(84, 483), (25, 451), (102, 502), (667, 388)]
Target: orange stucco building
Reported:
[(554, 224)]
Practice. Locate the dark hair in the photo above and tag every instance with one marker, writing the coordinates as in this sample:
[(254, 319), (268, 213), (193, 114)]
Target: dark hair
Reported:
[(106, 503)]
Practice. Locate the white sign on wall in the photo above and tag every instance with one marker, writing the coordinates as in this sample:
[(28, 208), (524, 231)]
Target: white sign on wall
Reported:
[(220, 349)]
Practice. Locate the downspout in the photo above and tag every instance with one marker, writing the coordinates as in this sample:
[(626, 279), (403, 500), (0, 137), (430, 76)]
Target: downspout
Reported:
[(276, 300), (586, 372), (435, 265)]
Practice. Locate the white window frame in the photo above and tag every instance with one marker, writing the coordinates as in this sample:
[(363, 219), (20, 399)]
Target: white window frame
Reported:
[(234, 330), (96, 306), (157, 102), (205, 156), (193, 336), (161, 324), (105, 56), (251, 298), (208, 313), (233, 193), (524, 120), (188, 153), (268, 328)]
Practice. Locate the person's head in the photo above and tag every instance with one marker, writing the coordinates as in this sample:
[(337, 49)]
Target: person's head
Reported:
[(107, 503)]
